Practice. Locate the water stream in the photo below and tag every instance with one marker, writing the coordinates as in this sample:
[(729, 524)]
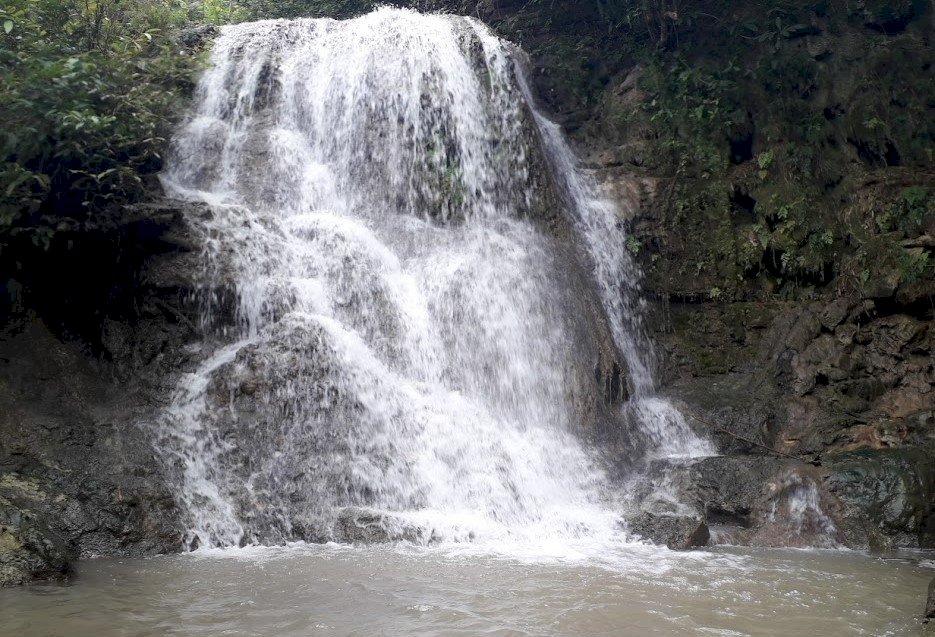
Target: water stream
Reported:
[(306, 591)]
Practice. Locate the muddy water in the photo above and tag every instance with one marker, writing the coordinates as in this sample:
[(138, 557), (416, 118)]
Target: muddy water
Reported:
[(330, 590)]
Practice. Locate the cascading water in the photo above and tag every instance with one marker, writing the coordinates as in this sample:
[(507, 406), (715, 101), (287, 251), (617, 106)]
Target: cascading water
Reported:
[(390, 324), (601, 228)]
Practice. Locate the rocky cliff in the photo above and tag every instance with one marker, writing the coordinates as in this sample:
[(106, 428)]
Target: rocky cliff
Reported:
[(92, 343), (781, 160)]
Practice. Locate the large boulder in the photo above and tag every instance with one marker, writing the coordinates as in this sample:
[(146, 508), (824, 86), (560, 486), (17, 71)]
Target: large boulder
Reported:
[(678, 532), (728, 489), (28, 549), (356, 525), (888, 494), (745, 500)]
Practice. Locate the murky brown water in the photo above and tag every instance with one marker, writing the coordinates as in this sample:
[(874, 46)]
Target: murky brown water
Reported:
[(306, 591)]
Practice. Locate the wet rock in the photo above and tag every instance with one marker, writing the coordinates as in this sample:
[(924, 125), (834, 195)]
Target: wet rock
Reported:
[(28, 550), (678, 532), (77, 473), (930, 604), (796, 511), (745, 500), (887, 493), (729, 488), (357, 525), (737, 411)]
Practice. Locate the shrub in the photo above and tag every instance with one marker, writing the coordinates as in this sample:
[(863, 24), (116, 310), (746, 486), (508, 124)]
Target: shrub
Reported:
[(87, 94)]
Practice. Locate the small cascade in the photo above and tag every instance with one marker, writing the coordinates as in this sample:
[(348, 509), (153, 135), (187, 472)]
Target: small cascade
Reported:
[(391, 331), (601, 226), (794, 515)]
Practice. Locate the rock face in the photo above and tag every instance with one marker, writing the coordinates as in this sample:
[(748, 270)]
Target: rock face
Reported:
[(675, 531), (809, 381), (28, 551), (77, 473)]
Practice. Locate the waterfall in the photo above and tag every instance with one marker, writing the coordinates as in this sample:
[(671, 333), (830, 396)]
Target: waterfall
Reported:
[(601, 227), (389, 321)]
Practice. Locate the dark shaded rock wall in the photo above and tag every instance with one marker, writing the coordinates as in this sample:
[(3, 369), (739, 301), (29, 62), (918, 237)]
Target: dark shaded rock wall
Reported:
[(85, 363)]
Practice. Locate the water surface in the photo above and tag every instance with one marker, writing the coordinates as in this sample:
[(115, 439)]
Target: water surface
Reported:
[(333, 590)]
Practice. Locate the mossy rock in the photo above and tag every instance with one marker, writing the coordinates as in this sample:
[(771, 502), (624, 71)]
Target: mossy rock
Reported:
[(887, 16), (890, 491), (28, 550)]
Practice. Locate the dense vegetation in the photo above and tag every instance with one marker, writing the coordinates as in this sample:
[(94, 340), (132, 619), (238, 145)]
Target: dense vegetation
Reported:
[(87, 92), (792, 140), (800, 142), (789, 143)]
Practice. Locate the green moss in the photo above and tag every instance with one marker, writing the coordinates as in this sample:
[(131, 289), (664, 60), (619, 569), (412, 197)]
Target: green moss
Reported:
[(908, 212), (22, 486)]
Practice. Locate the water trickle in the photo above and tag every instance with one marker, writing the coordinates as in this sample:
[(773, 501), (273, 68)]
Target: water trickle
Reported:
[(388, 320), (794, 515), (601, 226)]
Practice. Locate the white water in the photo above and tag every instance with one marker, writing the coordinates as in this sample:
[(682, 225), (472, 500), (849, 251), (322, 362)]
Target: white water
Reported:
[(796, 517), (388, 328)]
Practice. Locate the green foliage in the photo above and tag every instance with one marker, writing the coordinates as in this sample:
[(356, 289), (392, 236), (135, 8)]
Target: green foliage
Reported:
[(765, 159), (691, 111), (765, 104), (776, 29), (915, 265), (909, 212), (87, 93), (634, 245), (225, 12), (883, 262), (259, 9)]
